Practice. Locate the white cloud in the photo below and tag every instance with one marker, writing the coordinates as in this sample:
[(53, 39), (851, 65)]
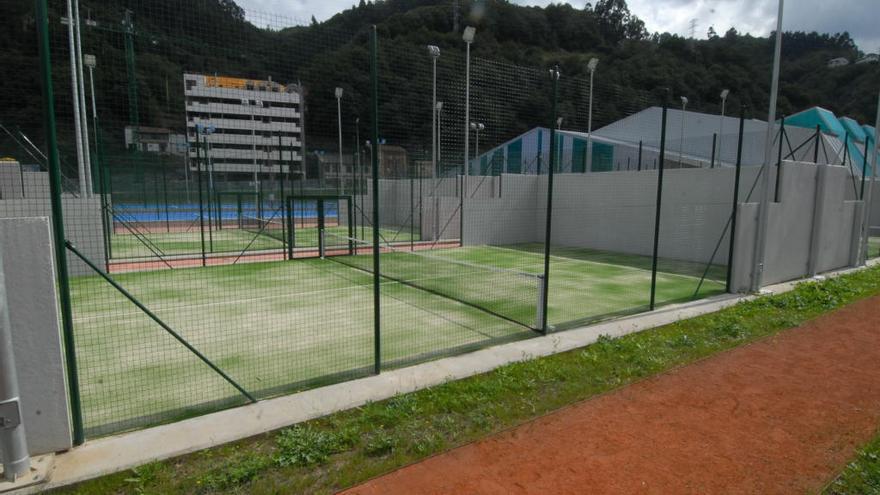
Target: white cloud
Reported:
[(757, 17)]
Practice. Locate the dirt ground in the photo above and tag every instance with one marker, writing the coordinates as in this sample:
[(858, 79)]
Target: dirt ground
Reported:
[(783, 415)]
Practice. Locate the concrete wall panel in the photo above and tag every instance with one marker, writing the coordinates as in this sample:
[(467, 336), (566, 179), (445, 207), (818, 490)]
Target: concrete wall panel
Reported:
[(33, 311)]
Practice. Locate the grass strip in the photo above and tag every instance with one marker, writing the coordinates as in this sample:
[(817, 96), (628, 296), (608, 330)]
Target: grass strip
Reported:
[(343, 449), (861, 475)]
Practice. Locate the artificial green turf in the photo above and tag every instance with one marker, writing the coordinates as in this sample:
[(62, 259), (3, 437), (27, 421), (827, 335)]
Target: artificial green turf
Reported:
[(873, 247), (281, 326), (348, 447)]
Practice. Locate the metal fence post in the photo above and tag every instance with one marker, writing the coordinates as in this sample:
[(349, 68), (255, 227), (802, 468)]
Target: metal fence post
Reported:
[(640, 156), (281, 192), (42, 21), (714, 143), (733, 212), (779, 160), (165, 197), (864, 171), (201, 203), (374, 157), (545, 280), (659, 202)]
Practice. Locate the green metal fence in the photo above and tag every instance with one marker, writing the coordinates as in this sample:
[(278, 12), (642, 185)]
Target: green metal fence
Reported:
[(268, 207)]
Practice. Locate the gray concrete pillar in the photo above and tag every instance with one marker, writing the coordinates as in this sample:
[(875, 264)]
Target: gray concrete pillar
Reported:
[(13, 444), (818, 209)]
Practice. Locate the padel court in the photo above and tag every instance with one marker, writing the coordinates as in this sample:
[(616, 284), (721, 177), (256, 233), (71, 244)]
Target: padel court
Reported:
[(287, 325)]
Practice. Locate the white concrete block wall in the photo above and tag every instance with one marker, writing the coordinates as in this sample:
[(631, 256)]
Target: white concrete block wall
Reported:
[(837, 217), (505, 219), (791, 224), (33, 311), (615, 211), (811, 227), (82, 225)]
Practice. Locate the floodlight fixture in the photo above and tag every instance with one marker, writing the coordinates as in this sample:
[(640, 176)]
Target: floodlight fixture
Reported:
[(338, 93), (439, 106), (591, 65), (434, 51), (468, 34), (724, 94), (684, 101), (559, 123), (89, 61)]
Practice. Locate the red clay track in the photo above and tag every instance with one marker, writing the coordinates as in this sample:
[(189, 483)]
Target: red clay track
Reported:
[(783, 415)]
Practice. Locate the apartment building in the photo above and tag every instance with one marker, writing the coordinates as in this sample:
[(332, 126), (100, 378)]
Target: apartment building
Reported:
[(249, 127)]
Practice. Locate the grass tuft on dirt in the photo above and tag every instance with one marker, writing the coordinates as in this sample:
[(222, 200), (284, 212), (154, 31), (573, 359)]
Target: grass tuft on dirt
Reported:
[(343, 449), (862, 475)]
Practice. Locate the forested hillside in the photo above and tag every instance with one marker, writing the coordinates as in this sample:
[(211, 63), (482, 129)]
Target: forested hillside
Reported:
[(170, 36)]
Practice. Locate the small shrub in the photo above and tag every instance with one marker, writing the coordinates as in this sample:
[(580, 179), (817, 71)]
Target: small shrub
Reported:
[(380, 444), (305, 446), (236, 473)]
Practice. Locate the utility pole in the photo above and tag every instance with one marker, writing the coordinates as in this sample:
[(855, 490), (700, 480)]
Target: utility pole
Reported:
[(81, 94), (74, 84), (764, 206)]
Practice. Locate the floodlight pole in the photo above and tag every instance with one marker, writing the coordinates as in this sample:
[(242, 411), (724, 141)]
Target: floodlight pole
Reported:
[(90, 62), (81, 94), (434, 52), (74, 84), (468, 38), (591, 65), (439, 141), (357, 143), (724, 95), (684, 103), (477, 127), (340, 181), (253, 147), (760, 248)]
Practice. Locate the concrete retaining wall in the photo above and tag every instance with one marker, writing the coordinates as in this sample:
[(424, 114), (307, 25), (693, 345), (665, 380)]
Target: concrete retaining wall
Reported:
[(615, 211), (33, 311), (508, 219), (813, 229)]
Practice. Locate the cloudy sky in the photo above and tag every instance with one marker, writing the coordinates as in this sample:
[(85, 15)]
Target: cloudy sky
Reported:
[(752, 16)]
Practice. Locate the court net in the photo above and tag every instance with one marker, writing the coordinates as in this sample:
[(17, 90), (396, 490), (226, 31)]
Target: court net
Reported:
[(512, 295), (272, 227)]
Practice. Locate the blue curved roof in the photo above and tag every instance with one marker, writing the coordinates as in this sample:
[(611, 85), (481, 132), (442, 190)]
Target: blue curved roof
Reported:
[(811, 117), (853, 128), (869, 132)]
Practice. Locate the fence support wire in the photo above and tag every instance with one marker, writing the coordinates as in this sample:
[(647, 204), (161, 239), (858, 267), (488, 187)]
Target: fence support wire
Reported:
[(159, 321)]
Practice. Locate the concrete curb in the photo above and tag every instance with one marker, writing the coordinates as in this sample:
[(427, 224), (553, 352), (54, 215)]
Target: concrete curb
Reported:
[(113, 454)]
